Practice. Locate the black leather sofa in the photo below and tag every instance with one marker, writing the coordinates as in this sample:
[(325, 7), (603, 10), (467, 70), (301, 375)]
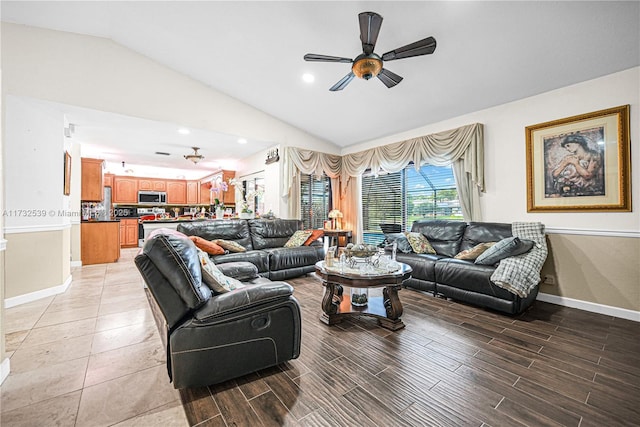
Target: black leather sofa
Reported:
[(461, 280), (264, 241), (213, 338)]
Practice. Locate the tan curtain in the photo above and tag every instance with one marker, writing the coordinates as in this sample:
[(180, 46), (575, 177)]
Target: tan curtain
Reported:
[(462, 147)]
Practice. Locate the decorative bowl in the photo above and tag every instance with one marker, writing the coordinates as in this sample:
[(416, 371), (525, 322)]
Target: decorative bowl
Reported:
[(365, 253)]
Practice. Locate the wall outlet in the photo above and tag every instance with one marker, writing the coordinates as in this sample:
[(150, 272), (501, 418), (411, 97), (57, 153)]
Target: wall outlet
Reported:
[(549, 279)]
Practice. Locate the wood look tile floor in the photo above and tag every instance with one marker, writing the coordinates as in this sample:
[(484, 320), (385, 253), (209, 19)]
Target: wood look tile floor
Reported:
[(93, 356)]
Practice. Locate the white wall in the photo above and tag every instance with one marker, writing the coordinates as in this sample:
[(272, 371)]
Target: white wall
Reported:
[(505, 199), (34, 168)]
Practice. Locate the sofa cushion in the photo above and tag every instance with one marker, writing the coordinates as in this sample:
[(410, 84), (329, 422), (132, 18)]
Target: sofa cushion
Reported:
[(258, 258), (401, 240), (470, 277), (443, 235), (236, 230), (230, 245), (209, 247), (214, 278), (482, 232), (297, 239), (287, 258), (272, 233), (423, 265), (511, 246), (419, 243), (474, 252)]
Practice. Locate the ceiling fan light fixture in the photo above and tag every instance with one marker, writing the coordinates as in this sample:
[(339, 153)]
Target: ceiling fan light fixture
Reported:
[(366, 67), (195, 157)]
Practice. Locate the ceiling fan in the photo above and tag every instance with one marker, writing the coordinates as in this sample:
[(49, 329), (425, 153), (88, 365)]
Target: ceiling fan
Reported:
[(368, 64)]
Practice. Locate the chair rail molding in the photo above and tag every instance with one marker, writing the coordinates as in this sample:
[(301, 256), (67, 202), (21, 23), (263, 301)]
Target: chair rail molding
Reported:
[(592, 232)]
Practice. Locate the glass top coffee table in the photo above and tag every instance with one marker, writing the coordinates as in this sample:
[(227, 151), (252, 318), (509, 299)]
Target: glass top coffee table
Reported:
[(387, 308)]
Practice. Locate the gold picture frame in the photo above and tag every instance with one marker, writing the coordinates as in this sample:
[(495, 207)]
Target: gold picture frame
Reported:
[(67, 174), (580, 163)]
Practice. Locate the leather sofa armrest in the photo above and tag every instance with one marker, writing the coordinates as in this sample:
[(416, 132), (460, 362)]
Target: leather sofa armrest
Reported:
[(241, 270), (242, 299)]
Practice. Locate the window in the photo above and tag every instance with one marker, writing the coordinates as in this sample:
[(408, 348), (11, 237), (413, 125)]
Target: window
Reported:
[(406, 196), (315, 198)]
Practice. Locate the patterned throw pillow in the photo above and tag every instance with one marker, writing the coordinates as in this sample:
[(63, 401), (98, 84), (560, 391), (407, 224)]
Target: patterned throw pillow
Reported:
[(419, 243), (511, 246), (230, 245), (474, 252), (298, 238), (213, 277), (209, 247), (315, 235)]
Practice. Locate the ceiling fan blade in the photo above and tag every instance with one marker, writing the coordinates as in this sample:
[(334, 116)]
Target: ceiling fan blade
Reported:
[(325, 58), (421, 47), (343, 82), (370, 23), (388, 78)]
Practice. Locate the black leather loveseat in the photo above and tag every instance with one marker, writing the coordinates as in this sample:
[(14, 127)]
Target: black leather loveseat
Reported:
[(264, 241), (459, 279), (211, 338)]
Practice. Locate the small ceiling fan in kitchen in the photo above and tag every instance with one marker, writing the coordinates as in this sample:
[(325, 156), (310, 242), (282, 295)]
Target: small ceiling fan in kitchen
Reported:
[(368, 64)]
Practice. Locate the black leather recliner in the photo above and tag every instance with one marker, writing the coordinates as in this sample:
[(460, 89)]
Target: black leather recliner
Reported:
[(213, 338)]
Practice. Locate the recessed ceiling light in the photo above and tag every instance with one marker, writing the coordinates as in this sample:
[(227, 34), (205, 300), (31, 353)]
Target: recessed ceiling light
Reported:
[(242, 141), (184, 131), (308, 78)]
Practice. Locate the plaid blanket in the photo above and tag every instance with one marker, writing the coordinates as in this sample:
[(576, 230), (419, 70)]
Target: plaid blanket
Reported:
[(520, 274)]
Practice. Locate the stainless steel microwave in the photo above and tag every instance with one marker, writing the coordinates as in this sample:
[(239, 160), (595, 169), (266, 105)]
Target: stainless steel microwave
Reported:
[(152, 197)]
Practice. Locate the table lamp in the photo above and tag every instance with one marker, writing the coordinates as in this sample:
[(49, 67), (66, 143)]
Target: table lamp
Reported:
[(335, 216)]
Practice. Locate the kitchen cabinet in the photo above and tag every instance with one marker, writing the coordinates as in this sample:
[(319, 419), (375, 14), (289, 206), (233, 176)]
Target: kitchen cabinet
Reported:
[(227, 197), (128, 233), (193, 190), (148, 184), (91, 179), (176, 192), (125, 189), (99, 242), (205, 193), (107, 180)]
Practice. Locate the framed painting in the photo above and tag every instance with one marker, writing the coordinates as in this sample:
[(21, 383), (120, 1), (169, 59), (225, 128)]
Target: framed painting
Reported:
[(67, 174), (580, 163)]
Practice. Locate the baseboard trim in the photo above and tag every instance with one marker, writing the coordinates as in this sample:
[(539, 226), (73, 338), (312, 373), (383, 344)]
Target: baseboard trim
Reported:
[(76, 264), (590, 306), (5, 368), (34, 296)]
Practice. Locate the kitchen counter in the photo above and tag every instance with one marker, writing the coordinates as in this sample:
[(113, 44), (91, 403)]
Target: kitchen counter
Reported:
[(172, 220), (91, 221)]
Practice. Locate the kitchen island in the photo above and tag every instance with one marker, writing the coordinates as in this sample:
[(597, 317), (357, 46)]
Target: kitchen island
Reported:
[(99, 242)]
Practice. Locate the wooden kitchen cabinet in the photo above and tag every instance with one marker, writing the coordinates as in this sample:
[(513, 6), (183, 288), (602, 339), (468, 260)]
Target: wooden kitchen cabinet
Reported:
[(99, 242), (227, 197), (91, 177), (193, 192), (128, 233), (205, 193), (149, 184), (125, 190), (176, 192), (107, 180)]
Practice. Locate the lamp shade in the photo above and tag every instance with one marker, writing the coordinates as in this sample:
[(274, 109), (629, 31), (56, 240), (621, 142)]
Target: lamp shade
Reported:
[(335, 213)]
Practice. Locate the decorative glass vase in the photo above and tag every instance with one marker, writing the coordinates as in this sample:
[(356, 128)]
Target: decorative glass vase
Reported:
[(219, 213), (359, 297)]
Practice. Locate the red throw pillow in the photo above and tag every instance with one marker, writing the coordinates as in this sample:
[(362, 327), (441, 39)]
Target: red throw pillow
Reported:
[(207, 246), (315, 235)]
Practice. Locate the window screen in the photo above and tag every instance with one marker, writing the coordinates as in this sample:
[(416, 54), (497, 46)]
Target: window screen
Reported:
[(315, 200)]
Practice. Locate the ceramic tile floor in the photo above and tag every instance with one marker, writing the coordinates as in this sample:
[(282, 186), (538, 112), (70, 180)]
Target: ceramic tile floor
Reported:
[(89, 357)]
